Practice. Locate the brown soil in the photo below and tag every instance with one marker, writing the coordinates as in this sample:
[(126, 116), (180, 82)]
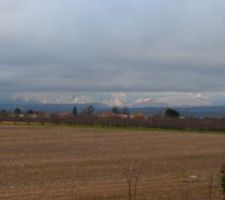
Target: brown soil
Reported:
[(47, 163)]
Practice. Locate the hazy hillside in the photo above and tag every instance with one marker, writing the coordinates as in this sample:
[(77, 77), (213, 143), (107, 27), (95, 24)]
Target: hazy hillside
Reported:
[(213, 111), (54, 107)]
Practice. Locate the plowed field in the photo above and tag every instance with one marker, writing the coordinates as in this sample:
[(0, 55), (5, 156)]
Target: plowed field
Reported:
[(47, 163)]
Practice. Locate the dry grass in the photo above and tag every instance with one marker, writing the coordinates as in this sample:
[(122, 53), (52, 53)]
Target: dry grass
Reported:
[(71, 163)]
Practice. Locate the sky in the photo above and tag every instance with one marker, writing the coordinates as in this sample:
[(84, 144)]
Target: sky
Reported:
[(117, 52)]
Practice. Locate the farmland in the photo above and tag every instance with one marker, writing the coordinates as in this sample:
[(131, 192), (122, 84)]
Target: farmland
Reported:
[(64, 163)]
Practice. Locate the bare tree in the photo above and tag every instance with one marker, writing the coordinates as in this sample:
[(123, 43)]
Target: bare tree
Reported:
[(132, 176)]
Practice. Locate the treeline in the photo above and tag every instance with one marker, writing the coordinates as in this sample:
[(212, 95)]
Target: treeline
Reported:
[(211, 124)]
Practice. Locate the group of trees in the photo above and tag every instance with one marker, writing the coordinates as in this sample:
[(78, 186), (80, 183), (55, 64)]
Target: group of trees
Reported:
[(3, 112), (168, 112), (117, 110), (151, 122), (89, 110), (87, 117), (170, 120), (16, 111)]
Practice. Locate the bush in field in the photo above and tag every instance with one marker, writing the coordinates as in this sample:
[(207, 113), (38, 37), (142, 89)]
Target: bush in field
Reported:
[(169, 112), (90, 110), (74, 112), (3, 113), (17, 111), (30, 112), (115, 110), (125, 111)]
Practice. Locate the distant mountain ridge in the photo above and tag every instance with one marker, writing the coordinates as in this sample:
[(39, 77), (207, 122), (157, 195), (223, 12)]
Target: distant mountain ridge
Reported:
[(200, 111), (53, 107)]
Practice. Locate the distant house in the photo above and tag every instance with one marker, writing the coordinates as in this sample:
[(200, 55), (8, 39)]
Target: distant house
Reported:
[(112, 115), (123, 116), (138, 115), (42, 115), (64, 114), (106, 115), (33, 115), (20, 115)]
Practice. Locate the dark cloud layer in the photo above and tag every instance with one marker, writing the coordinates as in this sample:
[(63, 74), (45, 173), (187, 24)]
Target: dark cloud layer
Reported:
[(114, 46)]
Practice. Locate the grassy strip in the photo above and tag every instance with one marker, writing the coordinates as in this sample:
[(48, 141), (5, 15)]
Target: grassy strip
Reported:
[(102, 127)]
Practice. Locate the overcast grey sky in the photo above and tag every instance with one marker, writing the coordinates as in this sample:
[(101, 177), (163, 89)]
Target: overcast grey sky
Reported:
[(69, 48)]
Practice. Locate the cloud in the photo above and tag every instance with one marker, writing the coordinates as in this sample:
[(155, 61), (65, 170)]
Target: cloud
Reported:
[(82, 99), (124, 99), (114, 102), (144, 101), (117, 99), (110, 46), (182, 100)]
